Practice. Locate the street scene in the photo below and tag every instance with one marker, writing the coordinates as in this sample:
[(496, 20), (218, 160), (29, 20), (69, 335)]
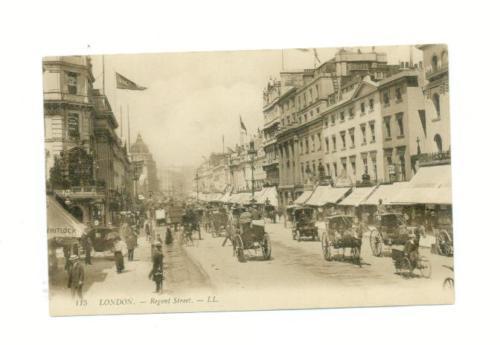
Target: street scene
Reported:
[(248, 180)]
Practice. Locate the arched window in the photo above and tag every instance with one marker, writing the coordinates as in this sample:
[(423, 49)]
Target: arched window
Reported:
[(439, 143), (444, 57), (434, 62), (437, 104)]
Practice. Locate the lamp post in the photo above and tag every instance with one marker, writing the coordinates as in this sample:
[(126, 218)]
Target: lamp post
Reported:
[(252, 152)]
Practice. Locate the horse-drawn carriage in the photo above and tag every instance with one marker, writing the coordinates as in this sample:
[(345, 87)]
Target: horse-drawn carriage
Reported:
[(251, 237), (444, 239), (304, 224), (390, 229), (342, 231), (219, 223), (406, 264)]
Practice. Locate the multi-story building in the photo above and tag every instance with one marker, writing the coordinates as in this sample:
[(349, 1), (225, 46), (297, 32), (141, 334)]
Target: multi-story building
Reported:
[(368, 132), (300, 140), (113, 167), (68, 107), (69, 135), (148, 180), (434, 120)]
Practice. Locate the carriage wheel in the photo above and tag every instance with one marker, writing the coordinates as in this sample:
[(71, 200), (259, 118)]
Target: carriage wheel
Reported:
[(424, 267), (266, 247), (444, 245), (405, 265), (325, 246), (449, 283), (376, 243), (240, 253)]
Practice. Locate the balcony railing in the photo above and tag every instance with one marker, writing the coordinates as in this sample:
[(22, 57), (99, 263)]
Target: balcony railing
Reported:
[(436, 71)]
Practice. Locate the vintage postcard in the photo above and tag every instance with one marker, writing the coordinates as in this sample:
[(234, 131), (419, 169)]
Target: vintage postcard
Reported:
[(248, 180)]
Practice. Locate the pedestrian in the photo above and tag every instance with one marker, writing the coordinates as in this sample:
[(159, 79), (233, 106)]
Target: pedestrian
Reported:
[(131, 245), (118, 252), (156, 273), (87, 246), (168, 236), (76, 277), (67, 254)]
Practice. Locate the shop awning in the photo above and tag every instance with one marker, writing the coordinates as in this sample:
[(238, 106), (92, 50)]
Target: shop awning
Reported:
[(430, 185), (303, 197), (357, 196), (267, 193), (323, 195), (383, 192), (60, 223)]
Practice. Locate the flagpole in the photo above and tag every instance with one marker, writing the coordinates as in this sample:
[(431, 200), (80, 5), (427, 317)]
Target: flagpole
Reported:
[(103, 77), (121, 123), (128, 119)]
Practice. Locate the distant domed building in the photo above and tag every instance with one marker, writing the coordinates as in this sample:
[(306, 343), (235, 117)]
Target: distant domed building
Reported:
[(148, 180)]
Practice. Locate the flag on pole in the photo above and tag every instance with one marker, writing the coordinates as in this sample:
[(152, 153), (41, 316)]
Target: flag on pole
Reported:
[(242, 125), (127, 84), (316, 55)]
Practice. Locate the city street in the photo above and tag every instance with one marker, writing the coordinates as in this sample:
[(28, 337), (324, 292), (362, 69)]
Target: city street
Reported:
[(296, 268)]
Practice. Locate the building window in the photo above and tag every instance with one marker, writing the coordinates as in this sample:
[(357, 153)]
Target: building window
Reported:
[(434, 63), (342, 116), (332, 119), (328, 171), (362, 106), (342, 136), (372, 130), (386, 98), (334, 143), (387, 123), (374, 164), (325, 123), (302, 170), (301, 148), (399, 118), (439, 143), (335, 169), (307, 144), (363, 133), (73, 125), (305, 117), (313, 148), (403, 167), (72, 82), (317, 92), (437, 104), (311, 96), (319, 141), (327, 145), (351, 113), (314, 168), (317, 110), (399, 97), (371, 104), (351, 134)]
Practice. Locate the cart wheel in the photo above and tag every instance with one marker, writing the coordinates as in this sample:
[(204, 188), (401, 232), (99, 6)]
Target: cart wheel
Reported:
[(444, 244), (325, 245), (405, 265), (424, 267), (266, 247), (376, 243), (449, 283), (240, 253)]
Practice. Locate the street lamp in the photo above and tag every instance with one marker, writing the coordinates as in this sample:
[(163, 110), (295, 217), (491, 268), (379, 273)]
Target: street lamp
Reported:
[(252, 152)]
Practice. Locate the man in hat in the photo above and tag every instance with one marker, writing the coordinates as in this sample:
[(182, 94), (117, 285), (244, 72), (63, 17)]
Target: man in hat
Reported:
[(76, 277), (156, 273), (118, 252)]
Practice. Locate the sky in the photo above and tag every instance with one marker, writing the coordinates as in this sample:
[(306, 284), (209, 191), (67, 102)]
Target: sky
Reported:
[(194, 99)]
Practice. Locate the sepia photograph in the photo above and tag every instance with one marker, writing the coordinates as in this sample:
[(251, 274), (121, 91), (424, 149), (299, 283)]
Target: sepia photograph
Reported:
[(248, 180)]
